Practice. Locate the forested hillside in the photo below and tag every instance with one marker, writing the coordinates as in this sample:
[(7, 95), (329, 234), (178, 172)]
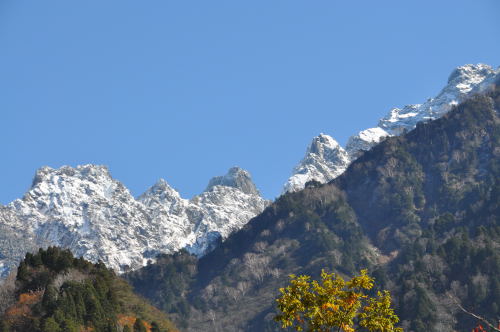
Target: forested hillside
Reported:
[(56, 292), (420, 211)]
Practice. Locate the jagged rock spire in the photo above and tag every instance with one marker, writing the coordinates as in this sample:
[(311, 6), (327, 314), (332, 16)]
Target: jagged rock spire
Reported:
[(325, 159), (236, 178)]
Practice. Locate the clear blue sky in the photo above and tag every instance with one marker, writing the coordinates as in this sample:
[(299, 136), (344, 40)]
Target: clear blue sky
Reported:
[(186, 89)]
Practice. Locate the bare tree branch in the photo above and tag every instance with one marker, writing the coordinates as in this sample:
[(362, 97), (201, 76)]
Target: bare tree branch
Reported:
[(473, 314)]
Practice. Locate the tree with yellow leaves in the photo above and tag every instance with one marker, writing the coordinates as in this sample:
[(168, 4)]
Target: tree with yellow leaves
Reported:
[(335, 305)]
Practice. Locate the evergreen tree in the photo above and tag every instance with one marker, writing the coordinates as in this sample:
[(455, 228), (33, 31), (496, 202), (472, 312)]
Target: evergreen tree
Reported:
[(49, 298), (50, 325), (139, 326), (4, 327), (155, 327)]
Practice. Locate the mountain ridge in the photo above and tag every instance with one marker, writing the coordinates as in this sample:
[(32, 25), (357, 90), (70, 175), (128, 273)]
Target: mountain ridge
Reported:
[(420, 211), (85, 209), (462, 83)]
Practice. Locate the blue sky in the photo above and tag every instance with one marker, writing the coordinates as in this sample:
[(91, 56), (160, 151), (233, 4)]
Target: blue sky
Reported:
[(183, 90)]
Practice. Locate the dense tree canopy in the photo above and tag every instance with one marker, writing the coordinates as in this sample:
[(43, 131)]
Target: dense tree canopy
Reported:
[(57, 292), (419, 210)]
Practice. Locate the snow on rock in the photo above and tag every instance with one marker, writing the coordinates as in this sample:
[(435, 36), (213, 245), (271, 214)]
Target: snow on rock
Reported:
[(325, 160), (86, 210), (364, 141), (463, 82), (197, 224), (220, 211)]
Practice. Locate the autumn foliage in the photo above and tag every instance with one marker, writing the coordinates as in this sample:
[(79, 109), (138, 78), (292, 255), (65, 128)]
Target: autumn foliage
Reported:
[(335, 303), (125, 320)]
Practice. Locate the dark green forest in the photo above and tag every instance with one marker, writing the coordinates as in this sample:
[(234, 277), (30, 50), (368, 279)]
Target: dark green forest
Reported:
[(56, 292), (420, 211)]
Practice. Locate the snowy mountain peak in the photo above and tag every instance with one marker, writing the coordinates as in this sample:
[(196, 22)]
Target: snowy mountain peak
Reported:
[(467, 76), (89, 171), (162, 190), (463, 82), (84, 209), (325, 159), (161, 184), (55, 190), (161, 194), (322, 145), (236, 178)]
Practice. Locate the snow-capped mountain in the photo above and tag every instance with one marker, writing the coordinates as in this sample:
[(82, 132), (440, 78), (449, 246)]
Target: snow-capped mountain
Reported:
[(225, 206), (96, 216), (325, 160), (323, 167)]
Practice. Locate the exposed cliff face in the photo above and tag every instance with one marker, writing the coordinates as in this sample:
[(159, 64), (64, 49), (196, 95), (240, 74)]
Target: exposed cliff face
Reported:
[(86, 210), (463, 82)]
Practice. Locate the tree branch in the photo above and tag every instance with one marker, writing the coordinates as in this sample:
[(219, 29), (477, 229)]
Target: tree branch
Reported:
[(473, 314)]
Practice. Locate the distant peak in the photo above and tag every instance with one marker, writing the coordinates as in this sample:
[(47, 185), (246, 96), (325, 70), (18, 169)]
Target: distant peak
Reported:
[(162, 190), (326, 139), (470, 72), (236, 177), (83, 171), (161, 183), (161, 186), (322, 143)]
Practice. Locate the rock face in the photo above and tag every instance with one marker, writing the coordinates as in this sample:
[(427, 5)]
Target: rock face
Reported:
[(196, 225), (463, 82), (86, 210), (237, 178)]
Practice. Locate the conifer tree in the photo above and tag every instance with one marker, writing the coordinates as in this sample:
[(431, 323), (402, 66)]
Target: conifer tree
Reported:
[(139, 326), (155, 327)]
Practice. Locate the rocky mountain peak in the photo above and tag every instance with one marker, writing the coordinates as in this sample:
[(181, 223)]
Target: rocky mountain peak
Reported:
[(84, 209), (325, 159), (84, 172), (322, 145), (57, 189), (466, 76), (161, 193), (236, 178)]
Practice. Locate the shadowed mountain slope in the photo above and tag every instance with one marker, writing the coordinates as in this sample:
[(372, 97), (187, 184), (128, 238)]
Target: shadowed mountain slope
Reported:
[(420, 211)]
